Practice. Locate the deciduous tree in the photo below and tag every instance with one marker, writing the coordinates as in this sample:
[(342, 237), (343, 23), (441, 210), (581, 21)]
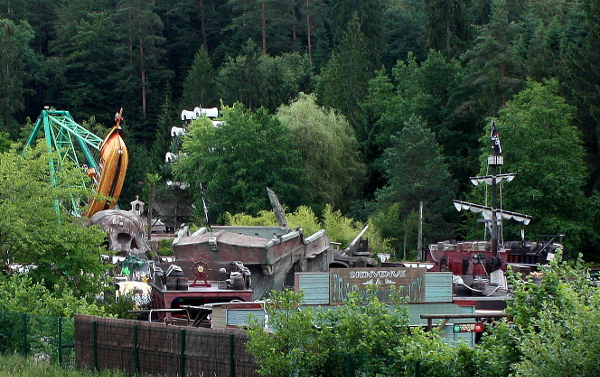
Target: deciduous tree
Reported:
[(541, 145), (236, 161), (329, 152), (37, 231)]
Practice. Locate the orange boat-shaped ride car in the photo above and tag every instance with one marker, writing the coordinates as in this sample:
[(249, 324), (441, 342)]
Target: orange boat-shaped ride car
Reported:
[(112, 168)]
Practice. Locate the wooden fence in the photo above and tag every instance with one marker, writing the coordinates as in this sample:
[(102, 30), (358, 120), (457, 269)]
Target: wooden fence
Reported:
[(157, 349)]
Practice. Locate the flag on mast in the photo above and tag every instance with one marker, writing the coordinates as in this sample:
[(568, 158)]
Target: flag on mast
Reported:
[(495, 137)]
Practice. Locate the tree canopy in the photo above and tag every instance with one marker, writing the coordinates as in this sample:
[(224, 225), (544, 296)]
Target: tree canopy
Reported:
[(37, 232), (454, 63), (329, 152), (416, 173), (544, 149), (236, 161)]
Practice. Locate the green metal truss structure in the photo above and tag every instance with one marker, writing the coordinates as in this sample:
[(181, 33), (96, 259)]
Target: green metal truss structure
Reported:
[(73, 143)]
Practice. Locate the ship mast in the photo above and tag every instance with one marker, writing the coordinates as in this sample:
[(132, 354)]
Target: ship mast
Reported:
[(494, 161), (492, 214)]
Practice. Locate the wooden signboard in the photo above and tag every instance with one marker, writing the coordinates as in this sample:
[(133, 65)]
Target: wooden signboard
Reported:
[(409, 282)]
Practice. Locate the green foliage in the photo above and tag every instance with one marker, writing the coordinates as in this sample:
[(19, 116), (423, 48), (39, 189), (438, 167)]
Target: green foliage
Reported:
[(554, 324), (291, 348), (119, 308), (20, 293), (263, 218), (431, 91), (496, 69), (262, 80), (337, 227), (13, 365), (370, 16), (82, 33), (343, 82), (328, 149), (264, 52), (434, 92), (340, 228), (305, 217), (238, 160), (15, 40), (4, 142), (542, 146), (199, 87), (404, 23), (37, 229), (140, 55), (365, 325), (447, 28), (370, 337), (416, 172), (165, 247), (281, 77), (240, 76), (168, 118)]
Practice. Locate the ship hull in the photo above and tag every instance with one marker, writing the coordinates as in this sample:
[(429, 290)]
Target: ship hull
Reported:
[(114, 159)]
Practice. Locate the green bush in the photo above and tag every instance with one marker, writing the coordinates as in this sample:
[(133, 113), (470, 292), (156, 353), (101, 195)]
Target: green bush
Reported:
[(18, 293), (165, 247)]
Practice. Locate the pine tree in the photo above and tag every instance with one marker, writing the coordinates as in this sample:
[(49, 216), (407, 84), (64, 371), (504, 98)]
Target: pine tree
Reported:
[(240, 76), (343, 82), (141, 57), (199, 87), (497, 72), (14, 43), (447, 28), (415, 171)]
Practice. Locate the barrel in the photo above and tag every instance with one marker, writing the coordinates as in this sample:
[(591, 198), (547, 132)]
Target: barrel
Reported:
[(171, 283), (183, 284), (237, 281)]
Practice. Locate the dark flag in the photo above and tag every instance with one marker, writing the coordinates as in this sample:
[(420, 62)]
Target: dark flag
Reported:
[(495, 137)]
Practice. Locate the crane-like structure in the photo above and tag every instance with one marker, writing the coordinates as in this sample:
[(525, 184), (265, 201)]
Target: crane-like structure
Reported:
[(105, 160)]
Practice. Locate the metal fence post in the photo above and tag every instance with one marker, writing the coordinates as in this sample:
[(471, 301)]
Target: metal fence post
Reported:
[(182, 358), (349, 371), (231, 358), (95, 346), (25, 335), (60, 355), (136, 361)]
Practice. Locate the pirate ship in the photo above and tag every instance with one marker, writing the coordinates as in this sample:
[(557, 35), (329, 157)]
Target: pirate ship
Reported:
[(480, 265)]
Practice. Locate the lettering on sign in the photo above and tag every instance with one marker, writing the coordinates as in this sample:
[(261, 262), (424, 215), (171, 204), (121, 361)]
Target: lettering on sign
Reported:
[(468, 327), (408, 282)]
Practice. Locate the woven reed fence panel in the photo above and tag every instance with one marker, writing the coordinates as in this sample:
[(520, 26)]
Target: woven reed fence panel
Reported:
[(157, 349)]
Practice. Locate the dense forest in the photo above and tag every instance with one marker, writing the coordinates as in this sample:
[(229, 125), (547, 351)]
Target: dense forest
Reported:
[(371, 107)]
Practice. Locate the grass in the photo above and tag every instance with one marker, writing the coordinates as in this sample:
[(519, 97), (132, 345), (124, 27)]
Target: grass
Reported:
[(18, 366)]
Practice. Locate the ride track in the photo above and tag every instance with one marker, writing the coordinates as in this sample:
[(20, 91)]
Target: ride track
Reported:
[(76, 145)]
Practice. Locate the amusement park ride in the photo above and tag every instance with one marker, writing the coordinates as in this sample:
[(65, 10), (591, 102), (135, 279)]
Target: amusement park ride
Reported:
[(217, 264), (76, 145)]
